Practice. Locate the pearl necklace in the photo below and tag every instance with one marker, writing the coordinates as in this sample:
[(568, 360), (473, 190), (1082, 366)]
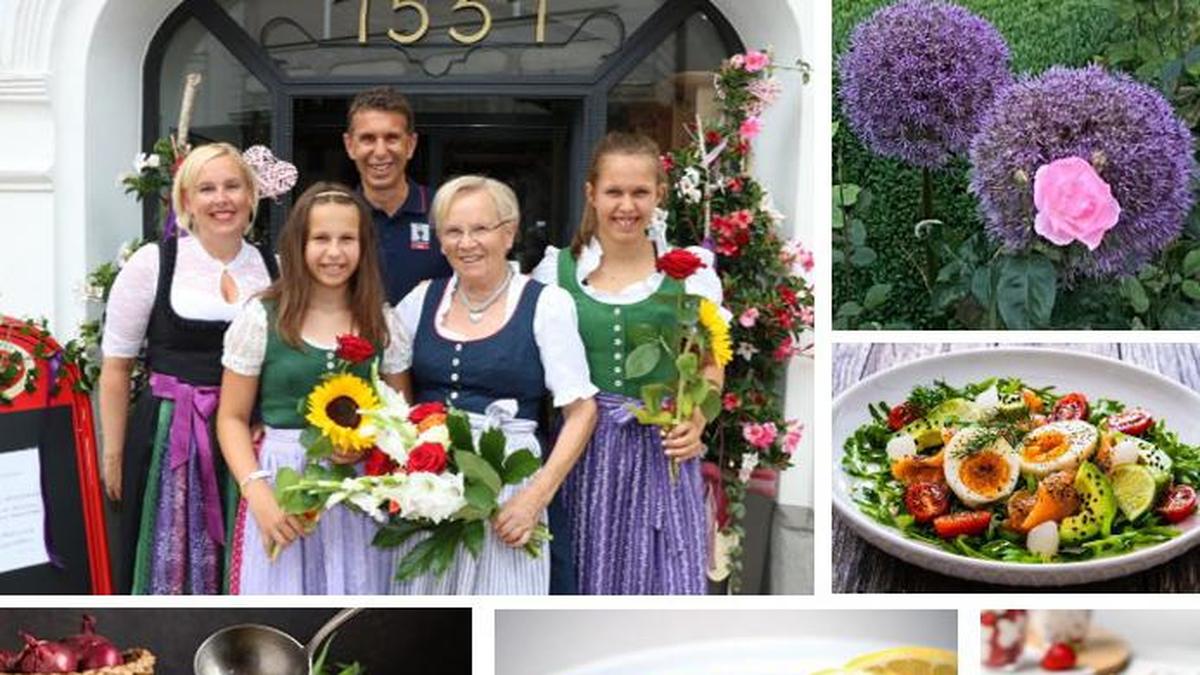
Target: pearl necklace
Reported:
[(475, 312)]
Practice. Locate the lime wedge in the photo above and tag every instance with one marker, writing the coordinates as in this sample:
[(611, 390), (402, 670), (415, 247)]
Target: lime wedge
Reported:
[(1134, 487)]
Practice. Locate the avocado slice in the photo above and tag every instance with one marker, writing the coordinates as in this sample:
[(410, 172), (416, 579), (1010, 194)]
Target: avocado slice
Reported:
[(923, 433), (1098, 507), (955, 411), (1012, 406)]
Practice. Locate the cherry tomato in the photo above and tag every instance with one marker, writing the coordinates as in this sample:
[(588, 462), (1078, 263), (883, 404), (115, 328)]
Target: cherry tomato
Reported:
[(965, 522), (1133, 422), (1060, 656), (926, 501), (1073, 406), (900, 415), (1178, 503)]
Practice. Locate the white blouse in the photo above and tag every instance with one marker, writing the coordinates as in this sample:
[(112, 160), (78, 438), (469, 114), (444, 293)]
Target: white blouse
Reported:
[(246, 342), (704, 283), (555, 328), (195, 291)]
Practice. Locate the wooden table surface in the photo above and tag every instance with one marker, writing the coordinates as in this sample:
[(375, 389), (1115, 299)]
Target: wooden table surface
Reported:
[(859, 567)]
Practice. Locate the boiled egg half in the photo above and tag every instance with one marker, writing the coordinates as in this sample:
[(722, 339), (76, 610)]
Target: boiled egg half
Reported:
[(1057, 446), (980, 466)]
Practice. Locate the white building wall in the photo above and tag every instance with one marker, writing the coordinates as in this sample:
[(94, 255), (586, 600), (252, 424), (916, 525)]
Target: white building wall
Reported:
[(70, 121)]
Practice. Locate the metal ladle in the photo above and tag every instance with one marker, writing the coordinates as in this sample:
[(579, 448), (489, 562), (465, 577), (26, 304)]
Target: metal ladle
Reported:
[(255, 649)]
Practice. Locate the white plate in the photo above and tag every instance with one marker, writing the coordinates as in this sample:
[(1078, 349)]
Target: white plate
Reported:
[(1095, 376), (756, 656)]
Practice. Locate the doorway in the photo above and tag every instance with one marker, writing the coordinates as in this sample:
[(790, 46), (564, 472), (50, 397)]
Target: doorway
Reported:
[(524, 143)]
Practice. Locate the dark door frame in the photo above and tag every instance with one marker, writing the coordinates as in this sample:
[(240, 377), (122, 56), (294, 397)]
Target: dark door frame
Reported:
[(591, 89)]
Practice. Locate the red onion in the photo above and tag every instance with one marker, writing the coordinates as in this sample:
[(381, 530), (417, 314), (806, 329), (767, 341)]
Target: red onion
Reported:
[(44, 656), (100, 655), (8, 660)]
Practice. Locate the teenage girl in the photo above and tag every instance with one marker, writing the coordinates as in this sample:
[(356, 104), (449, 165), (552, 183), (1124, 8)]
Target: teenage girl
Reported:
[(276, 351)]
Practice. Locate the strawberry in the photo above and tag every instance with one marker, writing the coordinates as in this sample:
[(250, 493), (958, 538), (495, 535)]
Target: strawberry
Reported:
[(1060, 656)]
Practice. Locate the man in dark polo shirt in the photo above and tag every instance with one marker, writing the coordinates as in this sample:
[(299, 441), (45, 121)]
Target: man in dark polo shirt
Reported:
[(380, 140)]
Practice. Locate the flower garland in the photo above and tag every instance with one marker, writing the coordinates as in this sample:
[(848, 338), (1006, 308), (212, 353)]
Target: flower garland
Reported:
[(716, 202)]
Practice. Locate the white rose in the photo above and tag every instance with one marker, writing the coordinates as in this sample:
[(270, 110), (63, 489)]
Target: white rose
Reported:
[(154, 161), (432, 496)]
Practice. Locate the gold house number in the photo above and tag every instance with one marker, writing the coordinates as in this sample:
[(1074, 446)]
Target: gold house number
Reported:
[(485, 22)]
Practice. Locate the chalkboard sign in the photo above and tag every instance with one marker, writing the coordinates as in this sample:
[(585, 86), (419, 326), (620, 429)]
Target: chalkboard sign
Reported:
[(48, 471)]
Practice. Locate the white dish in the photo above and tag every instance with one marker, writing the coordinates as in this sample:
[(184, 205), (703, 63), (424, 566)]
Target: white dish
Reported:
[(1095, 376), (755, 656)]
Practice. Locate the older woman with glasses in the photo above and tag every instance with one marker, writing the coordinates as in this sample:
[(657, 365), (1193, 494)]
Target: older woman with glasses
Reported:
[(493, 342)]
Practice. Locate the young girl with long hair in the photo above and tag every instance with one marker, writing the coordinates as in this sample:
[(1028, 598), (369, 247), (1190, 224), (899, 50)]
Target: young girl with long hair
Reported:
[(276, 351), (635, 530)]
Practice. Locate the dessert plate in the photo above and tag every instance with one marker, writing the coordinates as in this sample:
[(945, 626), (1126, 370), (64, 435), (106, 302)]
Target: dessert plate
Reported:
[(754, 656)]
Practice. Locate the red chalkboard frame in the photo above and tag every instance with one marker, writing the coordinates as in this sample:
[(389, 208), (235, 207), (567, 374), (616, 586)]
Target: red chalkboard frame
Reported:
[(62, 391)]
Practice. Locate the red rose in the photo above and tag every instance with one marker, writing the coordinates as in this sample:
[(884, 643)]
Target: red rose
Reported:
[(378, 463), (429, 457), (668, 163), (425, 410), (730, 401), (712, 138), (354, 349), (734, 184), (679, 264)]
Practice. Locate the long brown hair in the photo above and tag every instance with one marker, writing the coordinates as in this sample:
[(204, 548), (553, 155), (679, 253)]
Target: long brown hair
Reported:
[(613, 143), (292, 291)]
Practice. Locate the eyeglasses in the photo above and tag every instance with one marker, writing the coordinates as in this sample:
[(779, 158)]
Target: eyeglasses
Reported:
[(452, 234)]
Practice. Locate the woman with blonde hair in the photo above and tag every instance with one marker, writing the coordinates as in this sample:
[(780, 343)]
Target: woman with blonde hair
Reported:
[(177, 297), (493, 343)]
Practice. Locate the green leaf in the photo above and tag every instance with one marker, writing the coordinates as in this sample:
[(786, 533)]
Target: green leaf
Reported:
[(309, 436), (473, 535), (711, 405), (849, 309), (652, 395), (845, 195), (460, 431), (839, 218), (519, 466), (863, 256), (1191, 288), (1026, 291), (687, 364), (642, 360), (491, 447), (480, 497), (476, 468), (322, 448), (982, 286), (1191, 263), (396, 533), (877, 295), (858, 232), (837, 257), (1132, 290)]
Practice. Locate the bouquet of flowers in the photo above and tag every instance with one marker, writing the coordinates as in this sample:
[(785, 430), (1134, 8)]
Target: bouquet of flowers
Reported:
[(701, 331), (423, 472)]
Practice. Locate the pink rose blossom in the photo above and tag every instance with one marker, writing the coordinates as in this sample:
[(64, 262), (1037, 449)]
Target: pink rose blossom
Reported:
[(749, 317), (1073, 203), (785, 350), (756, 61), (791, 439), (750, 128), (760, 436)]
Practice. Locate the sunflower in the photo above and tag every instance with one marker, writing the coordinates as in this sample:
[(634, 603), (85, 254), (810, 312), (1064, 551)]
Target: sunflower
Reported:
[(333, 408), (718, 332)]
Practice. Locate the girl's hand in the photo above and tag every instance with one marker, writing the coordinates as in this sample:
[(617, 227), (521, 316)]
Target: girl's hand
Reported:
[(278, 528), (682, 442), (518, 517), (112, 473)]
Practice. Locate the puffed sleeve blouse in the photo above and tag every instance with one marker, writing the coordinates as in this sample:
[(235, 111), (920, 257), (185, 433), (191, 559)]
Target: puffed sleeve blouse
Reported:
[(195, 291), (555, 328), (246, 343)]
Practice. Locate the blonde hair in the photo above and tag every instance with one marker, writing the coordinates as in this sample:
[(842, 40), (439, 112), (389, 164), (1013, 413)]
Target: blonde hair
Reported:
[(614, 143), (502, 196), (189, 172)]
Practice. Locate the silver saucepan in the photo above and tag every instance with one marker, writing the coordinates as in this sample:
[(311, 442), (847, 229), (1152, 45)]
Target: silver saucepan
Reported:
[(255, 649)]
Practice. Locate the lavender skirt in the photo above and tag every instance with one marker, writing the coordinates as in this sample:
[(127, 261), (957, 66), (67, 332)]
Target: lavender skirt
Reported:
[(335, 559), (635, 532)]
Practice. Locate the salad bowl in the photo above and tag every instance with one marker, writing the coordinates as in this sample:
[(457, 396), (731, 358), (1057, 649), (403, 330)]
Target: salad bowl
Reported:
[(748, 656), (1099, 377)]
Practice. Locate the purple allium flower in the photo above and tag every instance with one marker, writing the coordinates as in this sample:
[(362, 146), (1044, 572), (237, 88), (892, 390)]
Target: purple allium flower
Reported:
[(917, 78), (1124, 128)]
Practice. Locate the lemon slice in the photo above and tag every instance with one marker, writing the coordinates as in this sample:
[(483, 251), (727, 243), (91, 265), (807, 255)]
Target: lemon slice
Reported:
[(1134, 487), (907, 661)]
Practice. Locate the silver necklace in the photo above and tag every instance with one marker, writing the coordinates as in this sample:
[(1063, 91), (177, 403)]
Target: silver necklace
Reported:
[(475, 312)]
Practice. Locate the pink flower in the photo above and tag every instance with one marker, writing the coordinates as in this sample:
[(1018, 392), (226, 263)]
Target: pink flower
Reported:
[(756, 61), (737, 61), (668, 162), (806, 316), (731, 401), (750, 128), (749, 317), (791, 439), (785, 350), (1073, 203), (760, 436)]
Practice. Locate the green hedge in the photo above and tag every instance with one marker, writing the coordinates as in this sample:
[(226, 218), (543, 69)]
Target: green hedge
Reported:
[(1040, 33)]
